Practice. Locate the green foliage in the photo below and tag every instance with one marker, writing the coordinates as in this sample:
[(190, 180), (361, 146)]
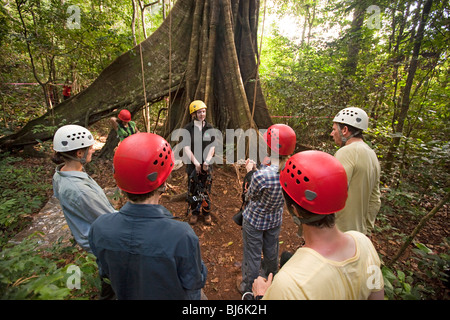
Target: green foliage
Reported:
[(26, 275), (306, 84), (398, 285), (434, 266), (20, 195), (27, 272), (300, 82), (406, 285)]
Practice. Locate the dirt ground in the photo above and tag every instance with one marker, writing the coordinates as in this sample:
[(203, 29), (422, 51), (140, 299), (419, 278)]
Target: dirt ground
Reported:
[(221, 243)]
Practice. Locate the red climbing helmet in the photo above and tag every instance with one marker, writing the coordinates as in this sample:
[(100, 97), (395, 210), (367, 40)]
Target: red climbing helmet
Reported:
[(142, 163), (316, 181), (280, 138), (124, 115)]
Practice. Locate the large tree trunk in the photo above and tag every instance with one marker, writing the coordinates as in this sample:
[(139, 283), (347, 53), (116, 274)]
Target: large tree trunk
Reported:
[(213, 52)]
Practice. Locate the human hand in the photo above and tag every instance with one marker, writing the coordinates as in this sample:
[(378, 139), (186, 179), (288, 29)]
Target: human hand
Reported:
[(198, 168), (250, 165), (260, 285), (266, 161)]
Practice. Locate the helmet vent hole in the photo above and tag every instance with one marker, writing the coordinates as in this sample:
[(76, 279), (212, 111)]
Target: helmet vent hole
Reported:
[(162, 163), (160, 155), (155, 162), (305, 179), (297, 181)]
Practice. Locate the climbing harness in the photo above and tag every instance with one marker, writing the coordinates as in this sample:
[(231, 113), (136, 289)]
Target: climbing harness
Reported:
[(199, 189)]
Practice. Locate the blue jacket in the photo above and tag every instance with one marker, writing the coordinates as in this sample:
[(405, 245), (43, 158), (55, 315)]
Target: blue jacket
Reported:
[(82, 201), (147, 254)]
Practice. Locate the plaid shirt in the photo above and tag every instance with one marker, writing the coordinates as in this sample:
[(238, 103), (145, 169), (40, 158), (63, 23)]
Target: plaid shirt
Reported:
[(265, 208)]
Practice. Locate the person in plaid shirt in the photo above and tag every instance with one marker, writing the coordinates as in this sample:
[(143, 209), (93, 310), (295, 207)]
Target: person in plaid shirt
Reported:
[(262, 217)]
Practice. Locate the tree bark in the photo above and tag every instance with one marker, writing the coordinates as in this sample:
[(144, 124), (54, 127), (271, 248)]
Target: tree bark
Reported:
[(213, 56), (406, 92), (354, 43)]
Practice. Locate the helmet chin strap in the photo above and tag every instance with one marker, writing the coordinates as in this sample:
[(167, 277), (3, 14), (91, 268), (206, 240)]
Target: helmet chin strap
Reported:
[(344, 139), (81, 160), (299, 221), (162, 188)]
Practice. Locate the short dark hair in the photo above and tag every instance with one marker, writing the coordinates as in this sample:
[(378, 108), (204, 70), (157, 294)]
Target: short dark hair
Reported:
[(327, 221), (139, 197), (353, 130)]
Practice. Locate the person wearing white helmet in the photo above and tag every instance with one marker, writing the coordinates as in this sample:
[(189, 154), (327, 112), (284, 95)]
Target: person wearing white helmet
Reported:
[(362, 168), (82, 199)]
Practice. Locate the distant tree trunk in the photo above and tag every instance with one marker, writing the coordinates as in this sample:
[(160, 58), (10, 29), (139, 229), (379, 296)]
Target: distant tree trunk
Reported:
[(350, 64), (133, 22), (354, 42), (26, 34), (213, 54), (406, 91)]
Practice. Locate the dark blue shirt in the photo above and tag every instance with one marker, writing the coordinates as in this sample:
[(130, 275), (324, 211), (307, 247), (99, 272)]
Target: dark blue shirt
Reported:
[(147, 254)]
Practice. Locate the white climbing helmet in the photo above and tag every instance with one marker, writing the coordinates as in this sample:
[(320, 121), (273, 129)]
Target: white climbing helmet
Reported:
[(354, 117), (72, 137)]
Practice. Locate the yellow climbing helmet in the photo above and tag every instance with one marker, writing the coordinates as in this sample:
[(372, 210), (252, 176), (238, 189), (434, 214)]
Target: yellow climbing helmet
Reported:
[(196, 105)]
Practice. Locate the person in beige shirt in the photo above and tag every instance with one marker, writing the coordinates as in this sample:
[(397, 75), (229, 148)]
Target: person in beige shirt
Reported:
[(332, 265), (362, 168)]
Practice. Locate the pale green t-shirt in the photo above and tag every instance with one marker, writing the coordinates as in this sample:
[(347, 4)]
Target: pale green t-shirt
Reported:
[(363, 176), (307, 275)]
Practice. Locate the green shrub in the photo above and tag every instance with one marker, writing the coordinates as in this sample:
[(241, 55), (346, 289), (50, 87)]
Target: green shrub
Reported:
[(27, 272)]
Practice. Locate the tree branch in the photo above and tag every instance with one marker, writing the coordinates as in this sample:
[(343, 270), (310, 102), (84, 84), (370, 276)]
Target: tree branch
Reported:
[(417, 229)]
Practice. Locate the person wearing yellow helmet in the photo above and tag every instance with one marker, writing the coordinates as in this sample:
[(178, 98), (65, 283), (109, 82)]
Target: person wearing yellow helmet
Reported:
[(199, 170)]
